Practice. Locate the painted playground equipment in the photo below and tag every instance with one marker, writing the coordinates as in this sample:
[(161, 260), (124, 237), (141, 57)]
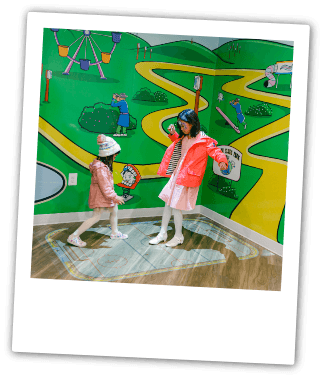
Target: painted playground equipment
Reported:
[(280, 68), (84, 62)]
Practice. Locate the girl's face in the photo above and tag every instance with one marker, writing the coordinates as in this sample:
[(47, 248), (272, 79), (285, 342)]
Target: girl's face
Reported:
[(185, 126)]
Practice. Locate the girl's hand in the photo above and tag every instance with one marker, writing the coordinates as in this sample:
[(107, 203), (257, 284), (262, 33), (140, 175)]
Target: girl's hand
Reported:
[(120, 200), (222, 165), (171, 129)]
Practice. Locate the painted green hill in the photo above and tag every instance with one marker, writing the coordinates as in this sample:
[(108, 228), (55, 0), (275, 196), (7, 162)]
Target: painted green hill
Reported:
[(185, 50), (252, 54)]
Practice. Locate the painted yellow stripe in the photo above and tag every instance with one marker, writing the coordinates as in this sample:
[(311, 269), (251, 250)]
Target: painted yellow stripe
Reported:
[(262, 207), (152, 123), (83, 157), (68, 147), (239, 87)]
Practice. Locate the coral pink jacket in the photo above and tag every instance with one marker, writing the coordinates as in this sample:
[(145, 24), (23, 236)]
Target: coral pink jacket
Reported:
[(102, 194), (194, 165)]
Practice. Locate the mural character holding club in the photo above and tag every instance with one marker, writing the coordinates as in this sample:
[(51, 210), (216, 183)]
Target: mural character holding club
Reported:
[(240, 117), (123, 120)]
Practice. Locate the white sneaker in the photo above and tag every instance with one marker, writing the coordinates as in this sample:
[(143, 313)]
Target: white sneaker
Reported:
[(159, 238), (76, 241), (116, 135), (118, 236), (175, 241)]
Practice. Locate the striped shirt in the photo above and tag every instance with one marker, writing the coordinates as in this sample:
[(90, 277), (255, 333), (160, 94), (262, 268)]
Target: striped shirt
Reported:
[(176, 155)]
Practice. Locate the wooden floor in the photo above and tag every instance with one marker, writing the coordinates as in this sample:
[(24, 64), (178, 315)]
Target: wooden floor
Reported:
[(258, 273)]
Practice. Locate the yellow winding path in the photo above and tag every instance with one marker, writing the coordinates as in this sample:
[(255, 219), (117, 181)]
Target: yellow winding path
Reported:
[(261, 208), (83, 157)]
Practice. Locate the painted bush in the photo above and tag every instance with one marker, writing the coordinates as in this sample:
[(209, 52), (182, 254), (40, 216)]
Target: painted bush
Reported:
[(145, 94), (259, 110), (102, 118)]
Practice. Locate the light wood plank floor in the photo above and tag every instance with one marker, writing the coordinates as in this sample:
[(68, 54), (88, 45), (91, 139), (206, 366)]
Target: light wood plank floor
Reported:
[(259, 273)]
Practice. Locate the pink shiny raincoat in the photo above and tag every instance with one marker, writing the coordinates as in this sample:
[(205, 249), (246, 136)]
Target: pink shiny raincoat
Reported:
[(102, 194)]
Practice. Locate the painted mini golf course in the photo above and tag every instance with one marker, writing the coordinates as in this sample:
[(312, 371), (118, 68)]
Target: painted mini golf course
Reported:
[(253, 208)]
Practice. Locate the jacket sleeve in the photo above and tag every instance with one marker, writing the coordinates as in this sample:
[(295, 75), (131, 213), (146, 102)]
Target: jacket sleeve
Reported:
[(215, 152), (113, 104), (174, 136), (105, 186)]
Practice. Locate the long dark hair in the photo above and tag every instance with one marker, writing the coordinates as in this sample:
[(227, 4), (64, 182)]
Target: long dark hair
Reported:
[(190, 116), (108, 161)]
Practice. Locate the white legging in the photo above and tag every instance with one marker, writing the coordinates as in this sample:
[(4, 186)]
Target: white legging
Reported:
[(177, 215), (97, 212)]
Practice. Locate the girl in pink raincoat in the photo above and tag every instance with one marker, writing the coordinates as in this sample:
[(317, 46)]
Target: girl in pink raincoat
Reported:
[(102, 195), (184, 162)]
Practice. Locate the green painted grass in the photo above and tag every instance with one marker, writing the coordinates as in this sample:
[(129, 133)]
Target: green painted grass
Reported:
[(254, 54), (75, 198), (69, 95), (282, 89), (269, 148)]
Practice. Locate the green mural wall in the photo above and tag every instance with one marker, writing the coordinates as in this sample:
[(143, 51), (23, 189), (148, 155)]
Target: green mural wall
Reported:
[(158, 87)]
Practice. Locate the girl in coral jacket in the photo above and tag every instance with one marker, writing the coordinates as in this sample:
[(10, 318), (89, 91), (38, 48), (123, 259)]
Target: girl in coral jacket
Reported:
[(184, 162), (102, 195)]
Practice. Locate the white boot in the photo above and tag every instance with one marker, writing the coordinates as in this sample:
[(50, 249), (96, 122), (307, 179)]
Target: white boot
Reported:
[(160, 237), (175, 241)]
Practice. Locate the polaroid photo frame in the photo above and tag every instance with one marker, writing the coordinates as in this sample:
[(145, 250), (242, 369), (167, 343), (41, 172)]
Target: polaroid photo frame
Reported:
[(150, 321)]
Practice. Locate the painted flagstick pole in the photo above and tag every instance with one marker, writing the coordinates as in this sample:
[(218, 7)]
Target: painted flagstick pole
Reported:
[(198, 94), (138, 47), (48, 75), (228, 120)]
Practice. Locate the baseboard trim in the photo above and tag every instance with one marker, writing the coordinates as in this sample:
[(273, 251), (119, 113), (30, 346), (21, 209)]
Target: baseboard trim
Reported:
[(58, 218), (258, 238)]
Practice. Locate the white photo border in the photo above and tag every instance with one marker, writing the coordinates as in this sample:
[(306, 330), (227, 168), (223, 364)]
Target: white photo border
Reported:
[(155, 321)]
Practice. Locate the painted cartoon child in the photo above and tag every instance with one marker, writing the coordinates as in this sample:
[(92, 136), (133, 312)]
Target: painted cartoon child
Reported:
[(240, 117), (123, 120)]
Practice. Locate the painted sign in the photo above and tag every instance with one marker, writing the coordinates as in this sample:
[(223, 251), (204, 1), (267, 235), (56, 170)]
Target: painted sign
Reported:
[(234, 159)]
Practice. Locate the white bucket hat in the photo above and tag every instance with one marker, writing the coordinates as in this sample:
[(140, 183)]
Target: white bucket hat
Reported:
[(109, 147)]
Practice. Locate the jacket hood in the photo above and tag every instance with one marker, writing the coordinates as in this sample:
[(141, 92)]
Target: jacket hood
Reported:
[(202, 137), (95, 164)]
